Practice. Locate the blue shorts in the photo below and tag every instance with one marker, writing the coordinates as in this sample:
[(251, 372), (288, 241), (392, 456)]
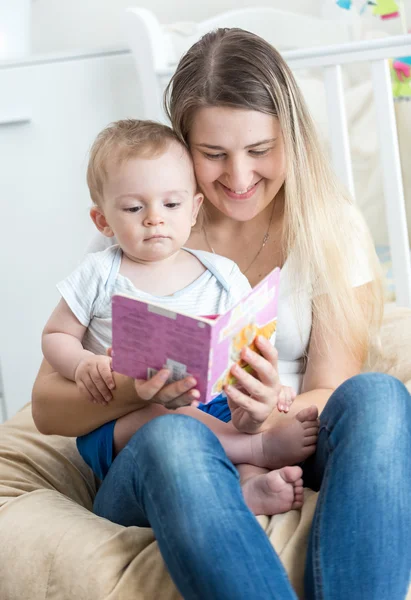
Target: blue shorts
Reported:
[(96, 447)]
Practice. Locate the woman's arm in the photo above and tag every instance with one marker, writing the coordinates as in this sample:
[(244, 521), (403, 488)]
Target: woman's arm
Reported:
[(59, 408)]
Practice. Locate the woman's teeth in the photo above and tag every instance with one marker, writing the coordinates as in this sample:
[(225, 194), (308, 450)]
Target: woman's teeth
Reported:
[(242, 191)]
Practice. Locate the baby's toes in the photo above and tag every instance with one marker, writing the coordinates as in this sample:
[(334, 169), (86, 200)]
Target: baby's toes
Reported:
[(298, 497), (299, 484), (310, 441), (309, 414), (311, 425)]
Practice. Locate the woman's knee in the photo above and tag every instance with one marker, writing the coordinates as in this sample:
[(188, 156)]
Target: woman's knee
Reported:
[(376, 402), (174, 441)]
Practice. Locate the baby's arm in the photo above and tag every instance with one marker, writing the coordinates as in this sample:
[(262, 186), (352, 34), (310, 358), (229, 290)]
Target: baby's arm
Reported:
[(62, 347)]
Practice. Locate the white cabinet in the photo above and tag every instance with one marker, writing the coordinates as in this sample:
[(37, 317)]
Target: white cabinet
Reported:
[(50, 112)]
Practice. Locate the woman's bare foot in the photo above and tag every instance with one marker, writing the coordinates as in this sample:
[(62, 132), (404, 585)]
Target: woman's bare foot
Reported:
[(289, 443), (274, 492)]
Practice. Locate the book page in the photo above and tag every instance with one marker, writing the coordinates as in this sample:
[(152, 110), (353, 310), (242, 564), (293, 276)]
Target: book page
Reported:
[(255, 315)]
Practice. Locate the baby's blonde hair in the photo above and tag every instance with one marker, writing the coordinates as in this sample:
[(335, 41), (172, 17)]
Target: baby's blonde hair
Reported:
[(235, 68), (121, 141)]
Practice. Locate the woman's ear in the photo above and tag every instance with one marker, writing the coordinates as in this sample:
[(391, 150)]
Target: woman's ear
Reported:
[(197, 202), (99, 220)]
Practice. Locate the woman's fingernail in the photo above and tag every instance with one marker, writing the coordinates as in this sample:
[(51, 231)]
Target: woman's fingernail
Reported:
[(190, 383), (195, 394)]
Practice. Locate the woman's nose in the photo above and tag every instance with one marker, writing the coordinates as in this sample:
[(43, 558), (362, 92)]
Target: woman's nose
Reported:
[(240, 174)]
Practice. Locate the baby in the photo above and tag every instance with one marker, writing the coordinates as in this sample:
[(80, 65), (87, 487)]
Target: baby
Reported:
[(142, 184)]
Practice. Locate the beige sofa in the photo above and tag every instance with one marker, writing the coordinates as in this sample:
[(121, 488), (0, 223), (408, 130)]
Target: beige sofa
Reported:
[(52, 547)]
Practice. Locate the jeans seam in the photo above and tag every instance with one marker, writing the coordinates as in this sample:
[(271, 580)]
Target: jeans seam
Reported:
[(316, 532), (317, 569), (329, 432)]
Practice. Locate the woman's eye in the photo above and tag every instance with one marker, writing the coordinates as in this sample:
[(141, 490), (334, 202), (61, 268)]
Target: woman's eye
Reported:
[(214, 156), (133, 209), (260, 152), (172, 204)]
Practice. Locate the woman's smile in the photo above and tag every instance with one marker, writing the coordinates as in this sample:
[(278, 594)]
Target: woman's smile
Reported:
[(240, 194)]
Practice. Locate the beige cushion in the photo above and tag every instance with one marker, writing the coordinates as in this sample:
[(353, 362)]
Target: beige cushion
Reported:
[(52, 547)]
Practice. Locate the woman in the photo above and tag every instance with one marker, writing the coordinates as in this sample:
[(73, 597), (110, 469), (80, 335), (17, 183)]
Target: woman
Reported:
[(271, 200)]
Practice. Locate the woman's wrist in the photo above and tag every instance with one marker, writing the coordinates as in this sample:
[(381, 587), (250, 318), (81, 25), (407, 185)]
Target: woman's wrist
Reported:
[(125, 391)]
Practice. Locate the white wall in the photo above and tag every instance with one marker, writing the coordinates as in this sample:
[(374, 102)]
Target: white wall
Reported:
[(93, 24), (44, 197), (89, 24)]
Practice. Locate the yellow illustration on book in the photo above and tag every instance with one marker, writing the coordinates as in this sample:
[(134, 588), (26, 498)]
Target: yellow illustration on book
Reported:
[(243, 338)]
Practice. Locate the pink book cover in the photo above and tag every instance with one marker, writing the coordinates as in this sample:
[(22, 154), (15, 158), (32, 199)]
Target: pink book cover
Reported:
[(148, 337)]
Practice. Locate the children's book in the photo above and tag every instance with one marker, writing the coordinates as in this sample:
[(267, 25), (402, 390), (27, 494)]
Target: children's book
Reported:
[(148, 337)]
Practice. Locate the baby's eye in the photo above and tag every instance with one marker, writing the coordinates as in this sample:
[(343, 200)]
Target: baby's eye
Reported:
[(172, 204), (132, 209)]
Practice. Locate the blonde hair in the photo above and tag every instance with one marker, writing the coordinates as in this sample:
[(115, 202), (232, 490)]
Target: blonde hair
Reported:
[(120, 141), (235, 68)]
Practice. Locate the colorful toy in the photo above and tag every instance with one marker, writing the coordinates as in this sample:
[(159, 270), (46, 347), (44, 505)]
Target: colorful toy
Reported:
[(402, 67), (401, 77), (346, 4), (386, 9)]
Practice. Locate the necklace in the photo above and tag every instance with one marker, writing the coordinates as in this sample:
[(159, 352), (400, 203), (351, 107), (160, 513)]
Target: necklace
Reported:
[(265, 239)]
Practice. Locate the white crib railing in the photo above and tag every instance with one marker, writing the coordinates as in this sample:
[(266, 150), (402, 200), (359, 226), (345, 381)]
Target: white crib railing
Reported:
[(376, 52), (156, 60)]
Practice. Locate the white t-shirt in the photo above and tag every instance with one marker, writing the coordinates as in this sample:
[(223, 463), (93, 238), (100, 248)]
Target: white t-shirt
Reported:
[(293, 332), (89, 289)]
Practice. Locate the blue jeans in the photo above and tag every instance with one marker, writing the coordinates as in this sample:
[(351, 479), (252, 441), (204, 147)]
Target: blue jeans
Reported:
[(174, 476)]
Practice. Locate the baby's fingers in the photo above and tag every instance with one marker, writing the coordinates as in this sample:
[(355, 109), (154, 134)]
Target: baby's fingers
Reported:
[(286, 397), (100, 388), (106, 374), (89, 387)]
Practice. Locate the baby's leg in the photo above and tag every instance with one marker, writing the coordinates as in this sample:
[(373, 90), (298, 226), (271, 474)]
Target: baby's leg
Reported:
[(282, 445), (271, 492), (126, 426)]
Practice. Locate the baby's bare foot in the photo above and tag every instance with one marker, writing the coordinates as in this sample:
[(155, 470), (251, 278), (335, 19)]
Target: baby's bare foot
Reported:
[(274, 492), (288, 443)]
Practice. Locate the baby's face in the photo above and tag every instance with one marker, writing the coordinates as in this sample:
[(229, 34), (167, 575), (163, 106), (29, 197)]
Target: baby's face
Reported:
[(150, 205)]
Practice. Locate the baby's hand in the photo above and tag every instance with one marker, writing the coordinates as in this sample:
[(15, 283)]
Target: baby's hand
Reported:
[(94, 378), (286, 397)]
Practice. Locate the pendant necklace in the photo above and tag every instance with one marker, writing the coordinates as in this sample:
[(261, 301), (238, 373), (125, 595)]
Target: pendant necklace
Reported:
[(264, 242)]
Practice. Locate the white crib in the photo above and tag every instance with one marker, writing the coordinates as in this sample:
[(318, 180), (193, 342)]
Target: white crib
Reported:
[(306, 43)]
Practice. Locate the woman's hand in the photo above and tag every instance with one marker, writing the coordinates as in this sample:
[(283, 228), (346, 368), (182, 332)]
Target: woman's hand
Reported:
[(259, 392), (170, 395)]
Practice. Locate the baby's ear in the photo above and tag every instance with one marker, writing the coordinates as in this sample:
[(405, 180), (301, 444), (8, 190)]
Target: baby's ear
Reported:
[(197, 202), (99, 220)]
